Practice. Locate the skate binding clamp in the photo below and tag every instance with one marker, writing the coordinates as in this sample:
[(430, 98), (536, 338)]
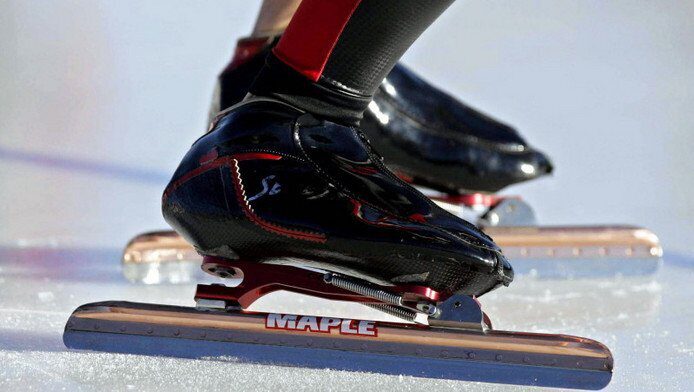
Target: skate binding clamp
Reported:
[(486, 210)]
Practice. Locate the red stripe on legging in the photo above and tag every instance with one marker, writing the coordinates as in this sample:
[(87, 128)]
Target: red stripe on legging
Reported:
[(313, 33)]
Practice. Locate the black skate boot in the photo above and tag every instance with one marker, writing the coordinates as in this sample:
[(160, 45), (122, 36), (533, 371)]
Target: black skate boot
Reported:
[(425, 135), (270, 182)]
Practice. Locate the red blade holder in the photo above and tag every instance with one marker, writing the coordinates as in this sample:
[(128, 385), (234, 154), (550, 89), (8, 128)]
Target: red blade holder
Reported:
[(259, 279)]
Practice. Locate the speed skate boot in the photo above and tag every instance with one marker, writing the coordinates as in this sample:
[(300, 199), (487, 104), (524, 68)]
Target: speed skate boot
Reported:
[(277, 200), (269, 182), (426, 136), (280, 201), (444, 147)]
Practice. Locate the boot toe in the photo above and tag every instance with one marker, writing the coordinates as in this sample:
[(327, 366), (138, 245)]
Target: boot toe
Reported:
[(535, 164)]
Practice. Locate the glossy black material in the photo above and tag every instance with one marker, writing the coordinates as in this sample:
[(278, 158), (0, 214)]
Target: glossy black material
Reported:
[(271, 182), (425, 134), (438, 141)]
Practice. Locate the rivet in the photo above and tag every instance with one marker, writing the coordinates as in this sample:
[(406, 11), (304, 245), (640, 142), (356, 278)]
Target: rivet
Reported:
[(499, 357)]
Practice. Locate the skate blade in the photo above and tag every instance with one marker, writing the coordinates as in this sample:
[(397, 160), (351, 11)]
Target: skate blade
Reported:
[(552, 252), (161, 257), (580, 251), (331, 343)]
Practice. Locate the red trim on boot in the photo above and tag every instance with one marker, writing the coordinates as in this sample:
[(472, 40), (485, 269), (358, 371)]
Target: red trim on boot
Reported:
[(214, 163), (232, 162), (253, 217)]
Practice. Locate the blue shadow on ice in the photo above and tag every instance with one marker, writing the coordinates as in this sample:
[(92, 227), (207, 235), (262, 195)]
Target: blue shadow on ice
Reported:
[(84, 165), (679, 260)]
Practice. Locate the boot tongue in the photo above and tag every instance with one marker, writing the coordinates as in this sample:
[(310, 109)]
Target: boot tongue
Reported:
[(340, 153)]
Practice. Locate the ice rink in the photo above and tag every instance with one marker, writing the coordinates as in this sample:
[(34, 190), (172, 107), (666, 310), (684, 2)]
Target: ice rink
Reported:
[(99, 100)]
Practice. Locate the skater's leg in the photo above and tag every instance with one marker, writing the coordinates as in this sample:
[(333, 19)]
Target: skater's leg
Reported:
[(273, 17), (333, 55)]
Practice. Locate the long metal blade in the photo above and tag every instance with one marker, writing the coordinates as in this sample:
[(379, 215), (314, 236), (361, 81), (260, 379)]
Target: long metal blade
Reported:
[(390, 348)]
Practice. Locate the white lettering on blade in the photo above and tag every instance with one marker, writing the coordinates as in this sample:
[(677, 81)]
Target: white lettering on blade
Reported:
[(320, 324), (280, 321), (326, 323)]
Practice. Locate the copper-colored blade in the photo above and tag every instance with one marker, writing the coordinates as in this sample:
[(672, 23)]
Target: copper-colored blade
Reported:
[(558, 242), (161, 257), (158, 246), (579, 251), (525, 358), (546, 252), (576, 241)]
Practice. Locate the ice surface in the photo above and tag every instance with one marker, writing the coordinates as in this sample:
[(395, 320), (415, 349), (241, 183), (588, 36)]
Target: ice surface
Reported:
[(99, 100), (642, 319)]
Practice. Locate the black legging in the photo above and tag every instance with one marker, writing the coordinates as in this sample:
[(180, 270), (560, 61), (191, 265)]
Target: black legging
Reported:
[(335, 53)]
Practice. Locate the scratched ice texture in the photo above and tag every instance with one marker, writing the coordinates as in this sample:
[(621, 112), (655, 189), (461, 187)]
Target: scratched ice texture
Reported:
[(99, 100)]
